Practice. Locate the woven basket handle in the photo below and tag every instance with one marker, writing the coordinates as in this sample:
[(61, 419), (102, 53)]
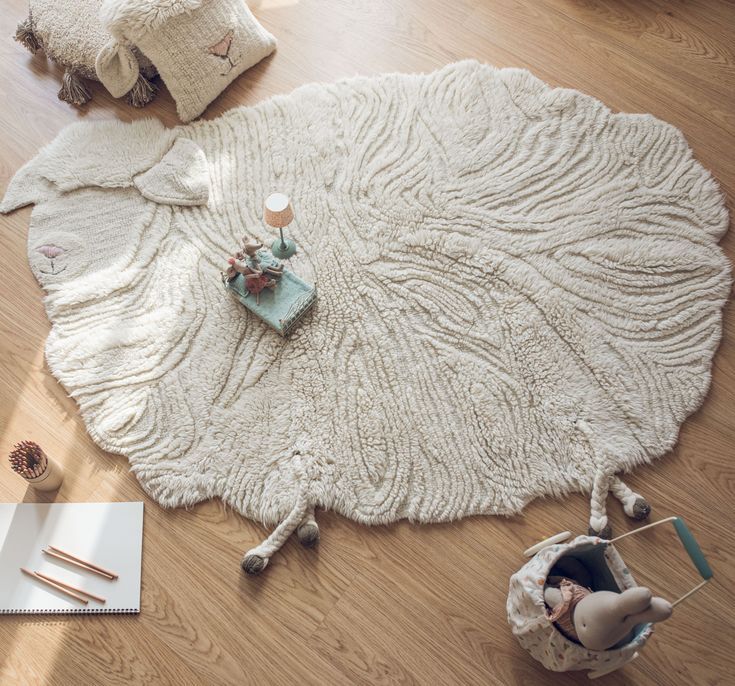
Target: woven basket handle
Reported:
[(690, 545)]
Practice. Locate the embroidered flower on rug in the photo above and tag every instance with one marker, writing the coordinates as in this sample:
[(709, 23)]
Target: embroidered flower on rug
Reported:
[(57, 256), (51, 252)]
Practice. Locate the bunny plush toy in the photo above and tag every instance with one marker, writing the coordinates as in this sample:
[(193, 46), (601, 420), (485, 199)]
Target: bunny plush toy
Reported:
[(603, 619)]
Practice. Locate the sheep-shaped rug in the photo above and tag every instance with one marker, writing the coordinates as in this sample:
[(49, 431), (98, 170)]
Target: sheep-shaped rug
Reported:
[(520, 294)]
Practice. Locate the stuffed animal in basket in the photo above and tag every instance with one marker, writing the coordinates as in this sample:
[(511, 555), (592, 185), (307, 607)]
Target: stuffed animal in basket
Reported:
[(602, 619), (576, 605)]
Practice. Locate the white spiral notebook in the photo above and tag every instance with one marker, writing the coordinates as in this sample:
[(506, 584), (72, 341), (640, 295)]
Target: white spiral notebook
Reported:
[(109, 535)]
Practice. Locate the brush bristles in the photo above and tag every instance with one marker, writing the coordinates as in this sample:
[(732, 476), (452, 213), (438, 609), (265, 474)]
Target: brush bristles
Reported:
[(28, 460)]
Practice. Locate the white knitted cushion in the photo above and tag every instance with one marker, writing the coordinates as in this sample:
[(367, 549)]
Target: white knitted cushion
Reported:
[(197, 46)]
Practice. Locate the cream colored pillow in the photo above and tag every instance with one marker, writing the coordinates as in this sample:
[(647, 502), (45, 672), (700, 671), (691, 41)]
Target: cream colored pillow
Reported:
[(198, 46), (69, 33)]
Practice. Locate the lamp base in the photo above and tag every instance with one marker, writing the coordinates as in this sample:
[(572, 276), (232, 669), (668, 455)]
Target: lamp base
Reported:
[(283, 249)]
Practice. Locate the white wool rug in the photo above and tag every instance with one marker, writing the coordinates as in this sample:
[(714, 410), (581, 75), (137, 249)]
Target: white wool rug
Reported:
[(520, 295)]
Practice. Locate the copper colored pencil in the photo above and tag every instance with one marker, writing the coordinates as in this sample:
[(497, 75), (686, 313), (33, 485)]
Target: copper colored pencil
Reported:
[(79, 563), (58, 582), (84, 562), (56, 586)]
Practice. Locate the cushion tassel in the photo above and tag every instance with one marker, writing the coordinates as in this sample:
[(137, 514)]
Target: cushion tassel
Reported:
[(73, 89), (141, 93), (25, 36)]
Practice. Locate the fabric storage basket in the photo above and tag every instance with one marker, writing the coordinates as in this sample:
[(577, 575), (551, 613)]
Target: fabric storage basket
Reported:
[(527, 611)]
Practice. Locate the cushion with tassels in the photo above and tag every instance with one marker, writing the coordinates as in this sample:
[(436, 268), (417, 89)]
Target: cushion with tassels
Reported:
[(70, 33), (198, 46)]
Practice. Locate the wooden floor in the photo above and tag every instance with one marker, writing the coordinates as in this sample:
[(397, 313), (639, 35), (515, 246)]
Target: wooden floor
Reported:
[(400, 604)]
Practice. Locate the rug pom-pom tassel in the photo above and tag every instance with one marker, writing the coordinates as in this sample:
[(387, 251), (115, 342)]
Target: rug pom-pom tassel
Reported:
[(73, 89), (256, 559), (634, 504), (640, 510), (603, 531), (253, 563), (308, 530), (26, 37), (141, 93)]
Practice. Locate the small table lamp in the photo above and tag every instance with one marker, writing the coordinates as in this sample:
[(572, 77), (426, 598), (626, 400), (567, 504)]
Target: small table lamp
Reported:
[(279, 213)]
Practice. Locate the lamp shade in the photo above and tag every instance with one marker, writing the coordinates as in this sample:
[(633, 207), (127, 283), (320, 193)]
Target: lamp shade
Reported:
[(278, 211)]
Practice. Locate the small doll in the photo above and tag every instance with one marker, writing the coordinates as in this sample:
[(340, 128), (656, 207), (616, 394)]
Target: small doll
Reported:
[(255, 279), (250, 247), (257, 275)]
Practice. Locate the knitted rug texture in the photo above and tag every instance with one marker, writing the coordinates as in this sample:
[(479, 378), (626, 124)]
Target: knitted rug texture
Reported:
[(520, 295)]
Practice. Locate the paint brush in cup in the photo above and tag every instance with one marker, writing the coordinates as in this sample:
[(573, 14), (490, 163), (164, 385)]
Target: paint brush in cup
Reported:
[(28, 460)]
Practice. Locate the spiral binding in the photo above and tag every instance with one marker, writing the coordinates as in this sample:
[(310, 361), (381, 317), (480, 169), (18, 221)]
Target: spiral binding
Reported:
[(74, 611)]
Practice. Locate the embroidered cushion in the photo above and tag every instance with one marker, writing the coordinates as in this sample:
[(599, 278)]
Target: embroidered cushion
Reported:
[(198, 46)]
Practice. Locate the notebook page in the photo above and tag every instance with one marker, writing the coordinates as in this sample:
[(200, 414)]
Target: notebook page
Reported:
[(108, 534)]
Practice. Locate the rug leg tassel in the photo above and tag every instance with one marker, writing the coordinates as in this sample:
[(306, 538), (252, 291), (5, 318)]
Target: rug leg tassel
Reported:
[(308, 530), (141, 93), (599, 524), (256, 559), (634, 504), (26, 37), (73, 89)]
